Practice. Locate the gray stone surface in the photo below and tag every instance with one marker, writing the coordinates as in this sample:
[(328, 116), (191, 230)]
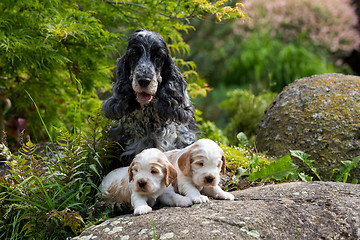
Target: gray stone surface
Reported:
[(297, 210), (319, 115)]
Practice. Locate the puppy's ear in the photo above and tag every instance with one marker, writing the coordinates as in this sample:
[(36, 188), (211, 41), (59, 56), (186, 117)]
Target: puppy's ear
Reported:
[(170, 175), (184, 163), (131, 176), (223, 166)]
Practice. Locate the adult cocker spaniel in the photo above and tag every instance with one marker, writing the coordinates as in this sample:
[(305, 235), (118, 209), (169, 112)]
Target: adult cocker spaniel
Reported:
[(150, 102)]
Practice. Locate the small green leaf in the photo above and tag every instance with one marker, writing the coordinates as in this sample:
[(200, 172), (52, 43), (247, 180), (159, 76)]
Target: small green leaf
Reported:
[(304, 157), (243, 140), (305, 177), (344, 172)]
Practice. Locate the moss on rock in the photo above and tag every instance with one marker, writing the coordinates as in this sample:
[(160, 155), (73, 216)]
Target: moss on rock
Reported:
[(239, 157), (319, 115)]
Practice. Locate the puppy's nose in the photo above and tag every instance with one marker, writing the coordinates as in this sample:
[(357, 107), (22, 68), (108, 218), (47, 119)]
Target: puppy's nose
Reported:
[(144, 82), (209, 179), (141, 184)]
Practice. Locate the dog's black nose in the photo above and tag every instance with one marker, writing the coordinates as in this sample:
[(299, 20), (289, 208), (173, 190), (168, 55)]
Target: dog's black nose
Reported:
[(142, 184), (209, 179), (144, 82)]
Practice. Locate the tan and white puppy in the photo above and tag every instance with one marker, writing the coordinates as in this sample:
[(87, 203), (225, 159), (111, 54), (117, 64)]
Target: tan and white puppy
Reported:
[(199, 166), (145, 181)]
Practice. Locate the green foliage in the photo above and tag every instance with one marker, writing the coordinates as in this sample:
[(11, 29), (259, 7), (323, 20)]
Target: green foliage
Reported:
[(304, 157), (328, 24), (45, 195), (277, 170), (243, 140), (54, 50), (273, 170), (245, 110), (69, 218), (238, 158), (264, 62), (344, 172), (209, 130)]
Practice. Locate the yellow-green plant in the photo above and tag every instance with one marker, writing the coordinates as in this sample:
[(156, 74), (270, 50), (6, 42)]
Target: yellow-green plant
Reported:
[(48, 196)]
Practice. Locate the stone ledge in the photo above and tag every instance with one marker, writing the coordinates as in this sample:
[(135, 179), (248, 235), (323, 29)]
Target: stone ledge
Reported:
[(297, 210)]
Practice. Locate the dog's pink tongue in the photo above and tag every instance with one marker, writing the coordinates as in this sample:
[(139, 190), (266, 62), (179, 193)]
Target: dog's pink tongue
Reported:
[(144, 97)]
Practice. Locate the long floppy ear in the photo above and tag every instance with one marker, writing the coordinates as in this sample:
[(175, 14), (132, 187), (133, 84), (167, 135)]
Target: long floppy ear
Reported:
[(170, 174), (131, 176), (184, 163), (223, 166), (173, 100), (123, 96)]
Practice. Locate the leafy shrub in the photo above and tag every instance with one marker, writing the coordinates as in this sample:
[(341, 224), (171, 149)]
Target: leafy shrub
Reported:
[(59, 53), (208, 129), (245, 110), (263, 62), (329, 24), (285, 40), (53, 196)]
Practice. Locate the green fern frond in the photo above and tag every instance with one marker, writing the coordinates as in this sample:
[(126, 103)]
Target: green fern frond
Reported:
[(28, 148)]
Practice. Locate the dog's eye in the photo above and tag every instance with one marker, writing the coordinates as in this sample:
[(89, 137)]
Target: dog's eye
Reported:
[(200, 164), (219, 164), (154, 171), (134, 53), (157, 58)]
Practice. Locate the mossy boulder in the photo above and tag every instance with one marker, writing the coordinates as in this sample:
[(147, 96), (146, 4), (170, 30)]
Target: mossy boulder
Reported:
[(319, 115)]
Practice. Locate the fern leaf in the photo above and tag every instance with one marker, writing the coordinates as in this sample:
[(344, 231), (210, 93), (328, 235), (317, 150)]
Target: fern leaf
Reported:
[(73, 220), (28, 148)]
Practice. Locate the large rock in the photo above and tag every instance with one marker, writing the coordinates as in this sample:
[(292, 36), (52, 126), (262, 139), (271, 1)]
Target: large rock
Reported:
[(319, 115), (298, 210)]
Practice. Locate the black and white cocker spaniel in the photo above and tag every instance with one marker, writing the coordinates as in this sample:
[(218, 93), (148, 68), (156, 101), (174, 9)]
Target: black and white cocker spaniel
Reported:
[(150, 102)]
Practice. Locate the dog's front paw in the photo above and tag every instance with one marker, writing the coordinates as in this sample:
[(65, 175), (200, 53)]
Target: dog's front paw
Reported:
[(142, 210), (183, 202), (224, 196), (199, 199)]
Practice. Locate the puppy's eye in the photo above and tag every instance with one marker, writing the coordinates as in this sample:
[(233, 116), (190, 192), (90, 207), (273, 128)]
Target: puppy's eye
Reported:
[(200, 164), (154, 171), (219, 164)]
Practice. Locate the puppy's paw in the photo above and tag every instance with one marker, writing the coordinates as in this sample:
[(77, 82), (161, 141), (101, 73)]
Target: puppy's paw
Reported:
[(182, 201), (224, 196), (199, 199), (142, 210)]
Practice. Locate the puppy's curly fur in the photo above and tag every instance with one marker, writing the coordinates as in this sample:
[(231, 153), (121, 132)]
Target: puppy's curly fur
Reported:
[(150, 102)]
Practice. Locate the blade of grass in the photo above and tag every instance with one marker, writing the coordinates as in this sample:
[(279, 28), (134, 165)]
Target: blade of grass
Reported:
[(43, 123)]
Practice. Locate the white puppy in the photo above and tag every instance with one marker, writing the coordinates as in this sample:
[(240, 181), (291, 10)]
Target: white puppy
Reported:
[(145, 181), (199, 166)]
